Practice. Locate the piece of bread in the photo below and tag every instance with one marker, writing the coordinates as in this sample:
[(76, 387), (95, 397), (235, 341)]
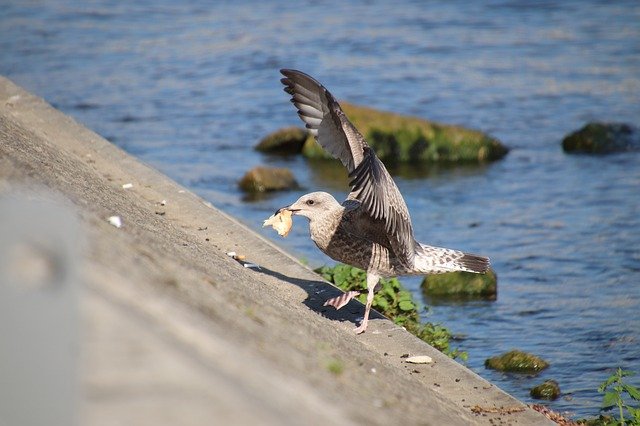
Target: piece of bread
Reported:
[(280, 221)]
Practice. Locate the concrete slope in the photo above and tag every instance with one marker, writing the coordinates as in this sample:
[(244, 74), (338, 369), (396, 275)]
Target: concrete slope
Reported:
[(174, 331)]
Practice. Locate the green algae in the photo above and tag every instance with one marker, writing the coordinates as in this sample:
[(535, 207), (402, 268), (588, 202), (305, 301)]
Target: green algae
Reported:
[(549, 390), (461, 285), (404, 139), (516, 361)]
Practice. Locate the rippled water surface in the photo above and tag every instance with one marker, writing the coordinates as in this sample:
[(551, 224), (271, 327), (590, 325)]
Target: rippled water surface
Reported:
[(191, 87)]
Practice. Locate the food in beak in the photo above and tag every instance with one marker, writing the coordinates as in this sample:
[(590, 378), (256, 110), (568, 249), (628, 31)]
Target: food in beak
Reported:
[(280, 221)]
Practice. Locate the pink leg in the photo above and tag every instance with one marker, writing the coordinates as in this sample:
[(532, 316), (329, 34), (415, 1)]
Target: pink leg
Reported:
[(343, 299), (372, 280)]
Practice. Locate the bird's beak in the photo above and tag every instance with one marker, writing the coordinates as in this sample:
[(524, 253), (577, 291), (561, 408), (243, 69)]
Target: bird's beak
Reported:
[(290, 208)]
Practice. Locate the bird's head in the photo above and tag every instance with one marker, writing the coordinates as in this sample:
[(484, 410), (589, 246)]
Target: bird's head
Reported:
[(313, 205)]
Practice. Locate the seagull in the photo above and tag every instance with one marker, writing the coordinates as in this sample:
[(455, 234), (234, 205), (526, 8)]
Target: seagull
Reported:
[(371, 229)]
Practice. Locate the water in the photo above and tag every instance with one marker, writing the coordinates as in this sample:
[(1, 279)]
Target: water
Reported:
[(191, 87)]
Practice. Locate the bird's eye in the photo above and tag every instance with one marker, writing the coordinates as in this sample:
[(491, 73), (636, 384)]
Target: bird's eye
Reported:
[(310, 202)]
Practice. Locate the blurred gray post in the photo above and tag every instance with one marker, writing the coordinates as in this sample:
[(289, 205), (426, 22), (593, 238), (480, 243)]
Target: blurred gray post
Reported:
[(38, 312)]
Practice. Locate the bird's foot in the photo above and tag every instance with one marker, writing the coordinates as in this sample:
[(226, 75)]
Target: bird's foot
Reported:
[(343, 299), (361, 328)]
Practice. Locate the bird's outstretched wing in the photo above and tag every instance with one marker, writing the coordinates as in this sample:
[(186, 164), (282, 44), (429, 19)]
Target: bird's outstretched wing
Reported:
[(371, 183), (324, 118)]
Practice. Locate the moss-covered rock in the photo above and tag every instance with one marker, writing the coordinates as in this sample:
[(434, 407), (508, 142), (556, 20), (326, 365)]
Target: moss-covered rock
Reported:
[(399, 138), (284, 141), (516, 361), (263, 179), (602, 138), (461, 285), (549, 390)]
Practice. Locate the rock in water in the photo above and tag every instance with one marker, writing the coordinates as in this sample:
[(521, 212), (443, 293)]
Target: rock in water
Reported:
[(461, 285), (516, 361), (284, 141), (263, 179), (549, 390), (404, 139), (602, 138)]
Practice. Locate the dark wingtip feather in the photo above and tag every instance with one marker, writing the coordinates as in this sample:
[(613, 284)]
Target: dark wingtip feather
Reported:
[(475, 263)]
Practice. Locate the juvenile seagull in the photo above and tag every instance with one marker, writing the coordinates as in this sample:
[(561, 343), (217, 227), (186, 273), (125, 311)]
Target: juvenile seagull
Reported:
[(371, 229)]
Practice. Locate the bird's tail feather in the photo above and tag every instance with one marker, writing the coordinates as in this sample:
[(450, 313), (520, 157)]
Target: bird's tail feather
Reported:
[(437, 260)]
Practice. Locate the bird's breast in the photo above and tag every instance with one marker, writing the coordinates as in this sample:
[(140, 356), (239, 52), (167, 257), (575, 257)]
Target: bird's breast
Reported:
[(321, 234), (354, 250)]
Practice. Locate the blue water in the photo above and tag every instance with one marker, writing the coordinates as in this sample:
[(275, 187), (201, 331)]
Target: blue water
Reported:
[(191, 87)]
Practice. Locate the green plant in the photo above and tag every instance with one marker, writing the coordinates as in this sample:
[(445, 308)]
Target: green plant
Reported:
[(335, 366), (395, 302), (614, 389)]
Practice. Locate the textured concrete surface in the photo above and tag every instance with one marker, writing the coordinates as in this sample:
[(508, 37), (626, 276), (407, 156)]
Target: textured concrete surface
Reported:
[(173, 331)]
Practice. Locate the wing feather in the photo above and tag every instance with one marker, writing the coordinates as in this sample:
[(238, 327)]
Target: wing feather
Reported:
[(324, 118), (373, 186)]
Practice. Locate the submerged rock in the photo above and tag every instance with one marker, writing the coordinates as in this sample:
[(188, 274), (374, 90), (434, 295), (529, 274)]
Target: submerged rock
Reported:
[(602, 138), (516, 361), (284, 141), (400, 138), (457, 285), (549, 389), (263, 179)]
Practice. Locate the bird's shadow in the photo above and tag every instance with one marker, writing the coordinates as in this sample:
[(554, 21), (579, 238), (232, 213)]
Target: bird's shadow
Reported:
[(318, 291)]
